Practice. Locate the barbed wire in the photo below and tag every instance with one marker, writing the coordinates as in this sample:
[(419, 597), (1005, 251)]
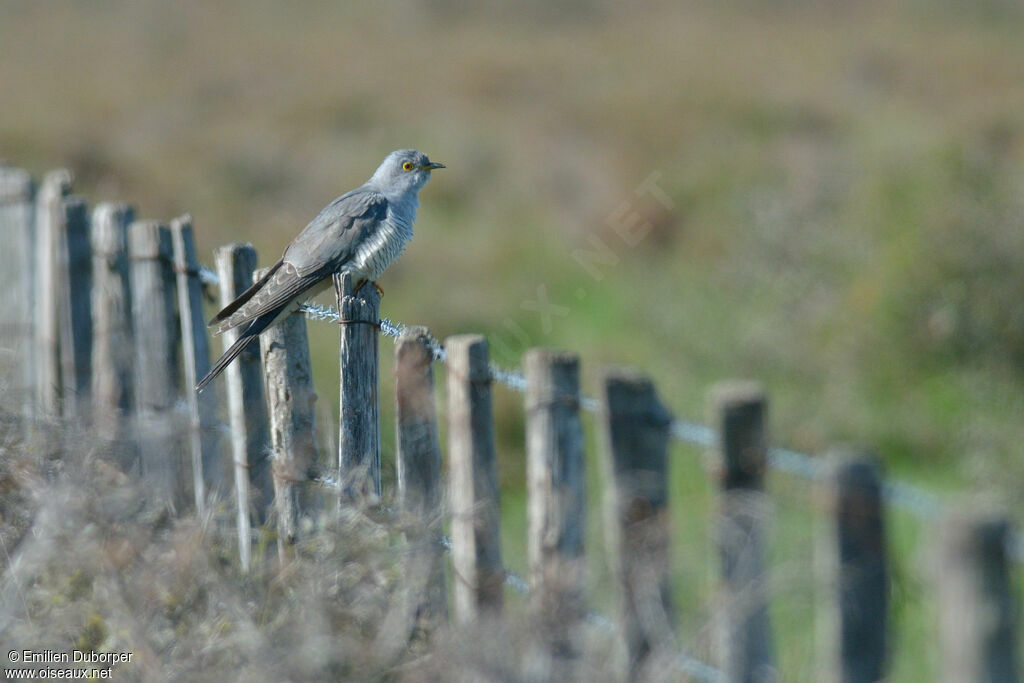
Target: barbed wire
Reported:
[(208, 276), (908, 497), (911, 498), (917, 501)]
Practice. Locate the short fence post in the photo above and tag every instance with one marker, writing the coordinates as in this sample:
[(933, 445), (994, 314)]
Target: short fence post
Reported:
[(418, 465), (976, 605), (75, 307), (16, 258), (636, 460), (49, 238), (359, 430), (852, 563), (155, 327), (291, 401), (476, 515), (247, 408), (112, 346), (207, 468), (747, 649), (556, 502)]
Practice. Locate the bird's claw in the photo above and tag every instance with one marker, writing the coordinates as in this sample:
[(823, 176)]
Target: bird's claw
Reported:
[(380, 292)]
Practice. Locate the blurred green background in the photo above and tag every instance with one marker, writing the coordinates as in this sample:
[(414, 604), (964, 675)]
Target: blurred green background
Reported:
[(845, 220)]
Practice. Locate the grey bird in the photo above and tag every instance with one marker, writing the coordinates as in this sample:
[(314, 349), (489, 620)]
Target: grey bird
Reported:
[(361, 232)]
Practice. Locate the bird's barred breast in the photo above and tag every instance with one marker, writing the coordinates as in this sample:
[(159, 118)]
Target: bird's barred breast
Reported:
[(380, 248)]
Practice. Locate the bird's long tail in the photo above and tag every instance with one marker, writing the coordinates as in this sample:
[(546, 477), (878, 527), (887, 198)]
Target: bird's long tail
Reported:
[(248, 336)]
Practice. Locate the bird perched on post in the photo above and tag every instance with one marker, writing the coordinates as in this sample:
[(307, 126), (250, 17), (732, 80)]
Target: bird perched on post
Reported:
[(361, 232)]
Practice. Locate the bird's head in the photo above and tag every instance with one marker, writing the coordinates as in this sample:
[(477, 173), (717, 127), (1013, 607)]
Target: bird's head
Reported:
[(402, 171)]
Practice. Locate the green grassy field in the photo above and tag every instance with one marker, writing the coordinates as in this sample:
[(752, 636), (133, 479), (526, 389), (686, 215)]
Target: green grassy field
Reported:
[(845, 217)]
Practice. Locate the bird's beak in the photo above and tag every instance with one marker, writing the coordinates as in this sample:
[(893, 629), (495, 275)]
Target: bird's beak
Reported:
[(432, 165)]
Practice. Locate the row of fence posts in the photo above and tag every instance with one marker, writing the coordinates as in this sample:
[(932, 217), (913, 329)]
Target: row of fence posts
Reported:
[(115, 301)]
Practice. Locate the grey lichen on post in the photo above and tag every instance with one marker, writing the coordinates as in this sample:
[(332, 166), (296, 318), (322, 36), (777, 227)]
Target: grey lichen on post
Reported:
[(418, 465), (636, 461), (247, 408), (977, 608), (156, 387), (17, 259), (49, 240), (206, 467), (473, 471), (556, 500), (851, 564), (291, 400), (359, 422), (747, 650), (112, 348), (75, 308)]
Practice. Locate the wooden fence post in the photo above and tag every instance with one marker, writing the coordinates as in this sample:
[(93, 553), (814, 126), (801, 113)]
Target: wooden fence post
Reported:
[(291, 399), (359, 430), (49, 238), (112, 347), (247, 408), (155, 327), (976, 605), (418, 465), (853, 621), (17, 233), (556, 502), (636, 462), (208, 470), (75, 307), (473, 468), (746, 649)]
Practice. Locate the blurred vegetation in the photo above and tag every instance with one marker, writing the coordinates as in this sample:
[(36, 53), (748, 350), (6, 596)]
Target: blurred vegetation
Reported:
[(846, 185)]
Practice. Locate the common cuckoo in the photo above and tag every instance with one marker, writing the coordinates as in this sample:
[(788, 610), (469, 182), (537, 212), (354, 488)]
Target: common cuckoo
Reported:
[(360, 232)]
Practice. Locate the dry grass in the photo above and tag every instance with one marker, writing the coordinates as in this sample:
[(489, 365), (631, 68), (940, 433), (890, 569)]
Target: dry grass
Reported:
[(846, 183), (93, 563)]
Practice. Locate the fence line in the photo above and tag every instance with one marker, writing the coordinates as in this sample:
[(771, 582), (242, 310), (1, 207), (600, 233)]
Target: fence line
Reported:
[(908, 497), (637, 431), (912, 499)]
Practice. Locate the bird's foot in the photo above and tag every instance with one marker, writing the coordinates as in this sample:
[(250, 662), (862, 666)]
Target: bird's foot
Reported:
[(380, 292)]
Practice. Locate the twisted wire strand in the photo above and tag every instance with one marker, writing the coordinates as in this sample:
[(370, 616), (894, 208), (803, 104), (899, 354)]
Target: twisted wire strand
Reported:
[(913, 499), (908, 497)]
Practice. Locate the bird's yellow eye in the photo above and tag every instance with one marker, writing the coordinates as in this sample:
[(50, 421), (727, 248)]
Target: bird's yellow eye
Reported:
[(408, 166)]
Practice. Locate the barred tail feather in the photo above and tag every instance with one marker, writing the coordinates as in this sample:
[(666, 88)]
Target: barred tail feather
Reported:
[(247, 337), (245, 296)]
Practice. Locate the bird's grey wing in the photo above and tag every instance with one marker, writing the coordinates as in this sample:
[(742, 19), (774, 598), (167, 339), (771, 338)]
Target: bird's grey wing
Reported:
[(245, 296), (332, 237), (320, 250)]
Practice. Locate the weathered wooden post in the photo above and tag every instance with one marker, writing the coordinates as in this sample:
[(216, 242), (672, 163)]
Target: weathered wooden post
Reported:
[(418, 465), (556, 501), (206, 467), (473, 469), (49, 240), (17, 233), (636, 462), (853, 619), (64, 322), (291, 400), (156, 331), (75, 307), (976, 604), (359, 430), (746, 647), (112, 347), (247, 407)]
